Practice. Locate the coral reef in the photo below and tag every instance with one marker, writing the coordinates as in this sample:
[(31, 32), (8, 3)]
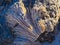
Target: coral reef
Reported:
[(29, 22)]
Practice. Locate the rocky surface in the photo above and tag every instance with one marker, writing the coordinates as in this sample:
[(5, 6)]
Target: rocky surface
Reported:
[(29, 22)]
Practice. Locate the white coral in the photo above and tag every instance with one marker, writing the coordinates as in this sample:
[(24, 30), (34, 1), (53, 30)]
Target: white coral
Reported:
[(46, 22)]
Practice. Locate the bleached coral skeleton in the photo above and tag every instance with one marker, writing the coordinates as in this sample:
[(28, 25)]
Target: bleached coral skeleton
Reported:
[(44, 17)]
